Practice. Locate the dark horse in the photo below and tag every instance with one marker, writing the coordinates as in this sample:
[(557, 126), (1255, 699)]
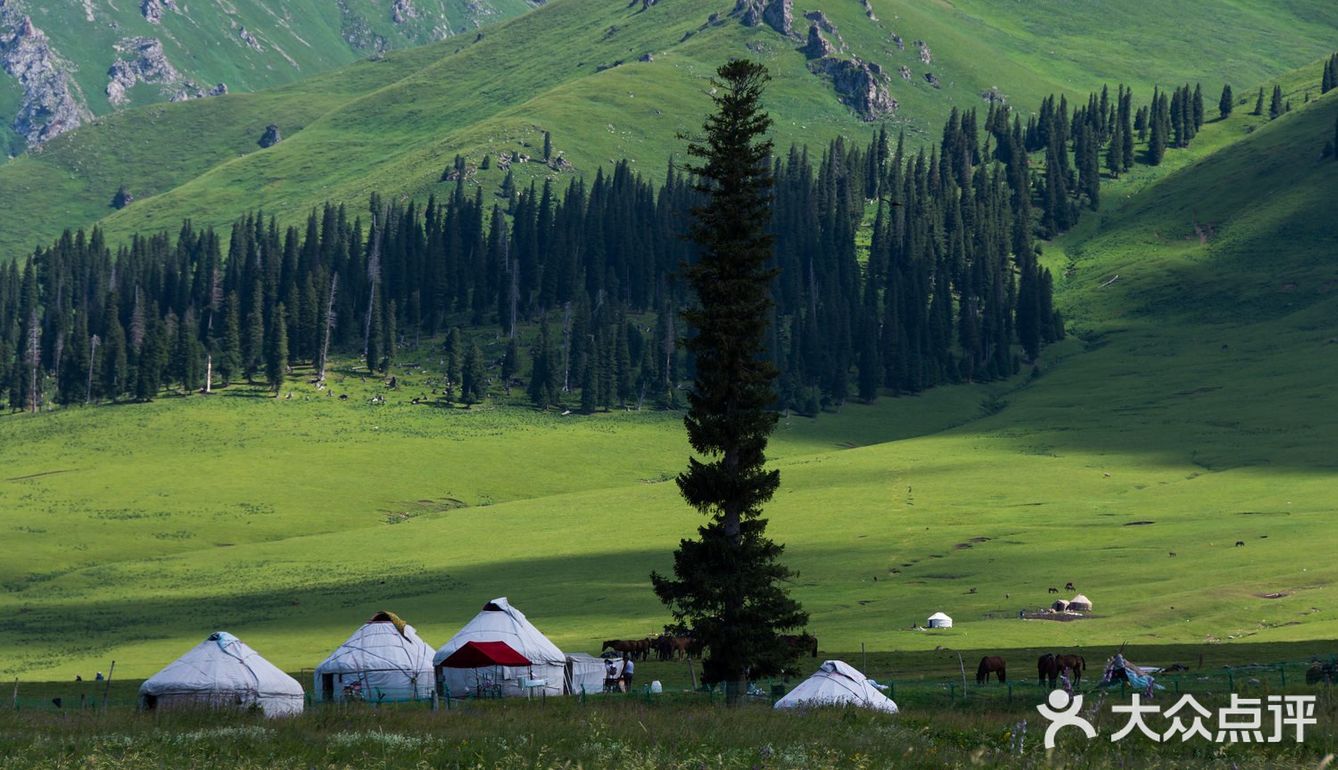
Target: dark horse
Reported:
[(1074, 663), (1047, 669), (991, 664), (1049, 666)]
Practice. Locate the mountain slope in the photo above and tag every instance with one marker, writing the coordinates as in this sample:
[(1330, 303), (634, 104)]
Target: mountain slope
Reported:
[(1193, 410), (574, 68), (104, 55)]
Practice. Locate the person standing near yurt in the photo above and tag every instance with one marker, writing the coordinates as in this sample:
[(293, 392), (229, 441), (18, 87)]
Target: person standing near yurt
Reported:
[(222, 672), (384, 660), (629, 668)]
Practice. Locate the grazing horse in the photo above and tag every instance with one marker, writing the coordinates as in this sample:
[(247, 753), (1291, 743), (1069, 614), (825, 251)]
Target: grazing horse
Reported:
[(1069, 586), (991, 664), (801, 643), (1075, 663), (664, 647), (1053, 590), (1047, 669), (632, 647)]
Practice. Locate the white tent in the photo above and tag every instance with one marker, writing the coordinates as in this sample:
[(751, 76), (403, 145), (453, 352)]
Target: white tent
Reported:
[(383, 660), (837, 684), (940, 620), (500, 622), (1080, 603), (222, 672), (584, 671)]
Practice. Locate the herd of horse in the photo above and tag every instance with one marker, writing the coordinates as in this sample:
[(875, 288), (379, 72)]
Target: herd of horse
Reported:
[(1049, 667), (677, 647)]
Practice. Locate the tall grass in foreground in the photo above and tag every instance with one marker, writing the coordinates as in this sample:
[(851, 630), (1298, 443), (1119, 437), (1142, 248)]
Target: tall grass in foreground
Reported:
[(620, 732)]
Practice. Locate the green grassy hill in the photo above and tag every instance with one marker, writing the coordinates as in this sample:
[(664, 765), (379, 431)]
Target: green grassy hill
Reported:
[(246, 44), (573, 68), (1173, 459)]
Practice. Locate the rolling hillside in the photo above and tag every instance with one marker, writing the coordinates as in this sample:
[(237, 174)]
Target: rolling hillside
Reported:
[(66, 62), (610, 82), (1172, 459)]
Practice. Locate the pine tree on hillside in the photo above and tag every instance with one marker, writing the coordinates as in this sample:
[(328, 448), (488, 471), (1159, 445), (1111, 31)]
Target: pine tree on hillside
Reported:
[(1196, 108), (1275, 107), (276, 353), (510, 363), (728, 584), (1157, 138), (1226, 103), (1259, 103), (471, 375), (1329, 79)]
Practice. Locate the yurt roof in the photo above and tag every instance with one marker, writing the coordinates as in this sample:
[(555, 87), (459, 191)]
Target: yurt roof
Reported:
[(499, 621), (384, 643), (221, 663), (939, 616)]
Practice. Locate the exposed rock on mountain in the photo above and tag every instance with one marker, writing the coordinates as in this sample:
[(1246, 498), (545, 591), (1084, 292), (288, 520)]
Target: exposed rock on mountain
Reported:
[(271, 136), (249, 39), (51, 104), (860, 85), (144, 62), (817, 45), (153, 10), (402, 11), (777, 14)]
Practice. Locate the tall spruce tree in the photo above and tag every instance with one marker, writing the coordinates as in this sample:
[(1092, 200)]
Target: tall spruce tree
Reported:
[(1275, 107), (1259, 103), (727, 585), (1226, 103), (276, 352)]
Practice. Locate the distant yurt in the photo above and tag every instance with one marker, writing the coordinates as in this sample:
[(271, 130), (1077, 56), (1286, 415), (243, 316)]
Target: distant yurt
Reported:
[(222, 672), (939, 620), (498, 621), (384, 660), (837, 684), (1080, 603), (1060, 606)]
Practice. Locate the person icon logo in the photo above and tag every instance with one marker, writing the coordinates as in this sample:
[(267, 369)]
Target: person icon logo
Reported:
[(1063, 714)]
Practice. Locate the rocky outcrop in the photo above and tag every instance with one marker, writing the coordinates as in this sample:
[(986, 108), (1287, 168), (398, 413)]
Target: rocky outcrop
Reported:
[(192, 90), (932, 80), (271, 136), (51, 103), (140, 60), (249, 39), (817, 46), (860, 85), (153, 10), (646, 57), (926, 56), (824, 24), (402, 11), (777, 14), (868, 10), (905, 72), (993, 95)]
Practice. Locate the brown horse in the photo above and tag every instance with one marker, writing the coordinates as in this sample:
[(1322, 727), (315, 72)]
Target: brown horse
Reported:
[(991, 664), (636, 648), (1047, 669), (1074, 663)]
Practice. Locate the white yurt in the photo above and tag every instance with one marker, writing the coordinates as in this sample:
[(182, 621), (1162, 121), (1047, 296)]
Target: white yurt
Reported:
[(1080, 603), (384, 660), (498, 621), (222, 672), (837, 684), (939, 620)]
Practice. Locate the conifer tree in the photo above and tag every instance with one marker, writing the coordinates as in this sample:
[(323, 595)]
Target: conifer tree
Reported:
[(727, 584), (276, 354), (1226, 103), (1259, 103), (471, 375), (1275, 107), (510, 363), (390, 337)]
